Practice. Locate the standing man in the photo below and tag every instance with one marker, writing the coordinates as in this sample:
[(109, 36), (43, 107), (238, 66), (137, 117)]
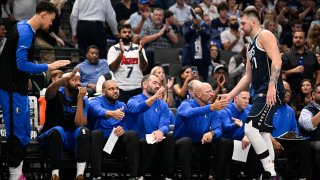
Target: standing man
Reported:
[(66, 118), (127, 61), (262, 71), (87, 21), (150, 115), (14, 77), (107, 113)]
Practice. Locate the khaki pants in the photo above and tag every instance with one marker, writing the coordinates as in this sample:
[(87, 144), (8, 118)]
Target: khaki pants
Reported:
[(47, 56)]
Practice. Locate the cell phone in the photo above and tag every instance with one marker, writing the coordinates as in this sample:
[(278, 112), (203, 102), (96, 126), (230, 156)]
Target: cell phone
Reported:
[(194, 69)]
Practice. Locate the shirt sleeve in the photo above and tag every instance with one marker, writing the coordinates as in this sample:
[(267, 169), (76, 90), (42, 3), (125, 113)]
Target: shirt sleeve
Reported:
[(186, 110), (74, 17), (111, 17), (96, 110), (216, 125), (164, 119), (136, 107), (24, 44), (305, 120), (233, 69), (112, 54)]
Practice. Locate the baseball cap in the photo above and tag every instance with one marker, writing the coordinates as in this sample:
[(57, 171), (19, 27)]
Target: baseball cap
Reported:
[(219, 67), (143, 1)]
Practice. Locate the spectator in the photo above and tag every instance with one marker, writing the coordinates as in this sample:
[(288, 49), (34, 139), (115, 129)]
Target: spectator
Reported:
[(15, 68), (220, 80), (104, 77), (197, 40), (87, 23), (124, 9), (307, 11), (294, 71), (309, 124), (284, 121), (3, 38), (215, 58), (64, 128), (157, 35), (167, 84), (237, 65), (221, 23), (127, 61), (260, 7), (233, 8), (92, 68), (272, 15), (305, 95), (233, 38), (140, 17), (209, 8), (180, 87), (181, 12), (22, 9), (50, 39), (196, 128), (109, 116), (55, 76), (313, 39), (287, 40), (272, 27), (150, 115)]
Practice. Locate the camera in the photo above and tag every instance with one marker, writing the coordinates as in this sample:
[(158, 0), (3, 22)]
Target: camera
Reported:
[(194, 69)]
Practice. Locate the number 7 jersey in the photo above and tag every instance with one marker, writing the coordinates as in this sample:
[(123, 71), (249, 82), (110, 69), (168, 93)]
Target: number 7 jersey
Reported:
[(129, 74)]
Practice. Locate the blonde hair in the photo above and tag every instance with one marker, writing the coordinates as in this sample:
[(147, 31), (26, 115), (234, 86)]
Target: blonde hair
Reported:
[(164, 82), (312, 36), (58, 4)]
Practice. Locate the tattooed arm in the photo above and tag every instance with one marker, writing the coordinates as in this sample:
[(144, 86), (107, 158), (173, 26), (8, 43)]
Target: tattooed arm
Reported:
[(268, 42)]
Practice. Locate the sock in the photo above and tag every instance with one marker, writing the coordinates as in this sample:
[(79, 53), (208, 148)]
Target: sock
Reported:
[(260, 146), (15, 172), (269, 166), (55, 172), (80, 168)]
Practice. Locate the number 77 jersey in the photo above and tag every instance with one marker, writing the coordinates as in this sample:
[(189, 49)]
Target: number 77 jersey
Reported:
[(129, 74)]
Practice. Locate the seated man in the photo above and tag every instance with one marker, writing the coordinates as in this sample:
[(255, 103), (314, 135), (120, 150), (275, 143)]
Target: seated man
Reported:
[(233, 119), (150, 115), (309, 122), (107, 113), (92, 68), (66, 116), (284, 121), (194, 119)]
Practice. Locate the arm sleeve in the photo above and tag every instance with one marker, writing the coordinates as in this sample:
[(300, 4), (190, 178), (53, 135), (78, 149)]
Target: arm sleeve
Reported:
[(164, 119), (24, 44), (226, 124), (216, 125), (86, 107), (305, 120), (137, 107), (96, 110), (111, 17), (186, 110)]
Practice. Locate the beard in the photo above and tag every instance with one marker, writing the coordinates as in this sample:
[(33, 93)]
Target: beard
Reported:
[(72, 90), (150, 91), (112, 99), (126, 40), (234, 26)]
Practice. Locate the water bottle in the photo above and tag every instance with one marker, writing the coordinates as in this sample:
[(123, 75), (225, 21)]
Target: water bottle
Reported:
[(301, 62)]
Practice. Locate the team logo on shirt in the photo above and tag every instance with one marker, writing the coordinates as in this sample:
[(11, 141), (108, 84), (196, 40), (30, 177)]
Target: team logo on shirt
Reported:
[(126, 60)]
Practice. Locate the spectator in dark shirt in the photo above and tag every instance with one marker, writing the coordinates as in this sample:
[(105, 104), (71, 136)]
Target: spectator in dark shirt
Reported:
[(124, 9)]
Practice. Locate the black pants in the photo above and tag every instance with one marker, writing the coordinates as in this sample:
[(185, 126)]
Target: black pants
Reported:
[(126, 146), (301, 151), (53, 146), (188, 151), (92, 33), (126, 95), (225, 168), (160, 154)]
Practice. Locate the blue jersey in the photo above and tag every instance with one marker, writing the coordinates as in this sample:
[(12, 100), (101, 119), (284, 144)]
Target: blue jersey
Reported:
[(261, 68)]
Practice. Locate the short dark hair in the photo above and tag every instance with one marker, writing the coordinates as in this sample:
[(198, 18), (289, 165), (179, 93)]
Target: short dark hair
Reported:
[(251, 13), (294, 22), (223, 6), (124, 26), (92, 47), (167, 14), (315, 87), (46, 6)]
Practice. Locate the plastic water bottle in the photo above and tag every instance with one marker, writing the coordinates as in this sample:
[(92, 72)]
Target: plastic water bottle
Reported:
[(301, 62)]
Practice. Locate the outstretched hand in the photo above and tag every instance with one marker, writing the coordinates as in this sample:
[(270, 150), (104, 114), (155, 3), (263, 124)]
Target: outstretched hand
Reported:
[(57, 64)]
